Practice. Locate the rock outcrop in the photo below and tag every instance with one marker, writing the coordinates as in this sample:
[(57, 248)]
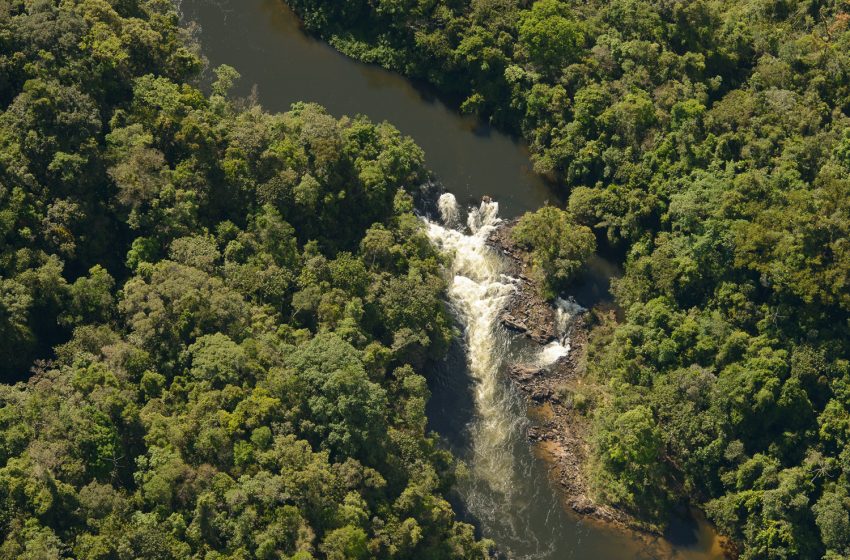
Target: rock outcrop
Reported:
[(559, 429)]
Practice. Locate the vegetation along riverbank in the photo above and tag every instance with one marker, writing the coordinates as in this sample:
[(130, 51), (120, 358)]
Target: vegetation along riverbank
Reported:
[(217, 322), (708, 143), (561, 393), (552, 386), (217, 316)]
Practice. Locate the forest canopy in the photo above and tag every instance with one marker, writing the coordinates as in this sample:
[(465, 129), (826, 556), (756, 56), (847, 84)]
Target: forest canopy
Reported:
[(226, 311), (708, 144)]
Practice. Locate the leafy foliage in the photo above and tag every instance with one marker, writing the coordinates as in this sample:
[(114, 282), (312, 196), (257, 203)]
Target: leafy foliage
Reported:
[(708, 142), (559, 246), (237, 304)]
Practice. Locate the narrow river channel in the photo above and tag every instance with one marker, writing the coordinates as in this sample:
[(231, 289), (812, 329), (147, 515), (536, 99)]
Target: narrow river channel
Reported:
[(508, 494)]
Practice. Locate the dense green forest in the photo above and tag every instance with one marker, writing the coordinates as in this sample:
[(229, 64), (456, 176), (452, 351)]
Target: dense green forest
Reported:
[(226, 311), (708, 143)]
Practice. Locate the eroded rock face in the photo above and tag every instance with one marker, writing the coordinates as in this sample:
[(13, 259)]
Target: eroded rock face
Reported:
[(526, 373)]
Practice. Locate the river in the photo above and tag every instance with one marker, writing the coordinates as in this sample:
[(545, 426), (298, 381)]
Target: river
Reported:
[(508, 494)]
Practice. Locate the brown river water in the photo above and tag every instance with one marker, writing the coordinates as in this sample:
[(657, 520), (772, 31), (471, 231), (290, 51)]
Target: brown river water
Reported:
[(508, 494)]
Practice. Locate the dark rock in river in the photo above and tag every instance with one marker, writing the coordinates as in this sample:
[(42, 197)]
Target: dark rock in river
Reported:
[(525, 373)]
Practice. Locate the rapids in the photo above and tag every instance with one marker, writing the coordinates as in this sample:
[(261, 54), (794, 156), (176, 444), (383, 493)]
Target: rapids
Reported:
[(478, 291), (508, 494)]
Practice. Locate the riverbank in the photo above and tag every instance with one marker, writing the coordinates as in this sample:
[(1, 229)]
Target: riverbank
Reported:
[(561, 397), (557, 392)]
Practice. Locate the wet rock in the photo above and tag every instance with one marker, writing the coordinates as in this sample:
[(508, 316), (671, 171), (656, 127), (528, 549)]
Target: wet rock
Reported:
[(526, 312), (583, 506), (524, 374), (513, 323), (560, 430)]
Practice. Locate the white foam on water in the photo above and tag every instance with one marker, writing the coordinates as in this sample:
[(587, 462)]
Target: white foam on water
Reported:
[(449, 209), (478, 291)]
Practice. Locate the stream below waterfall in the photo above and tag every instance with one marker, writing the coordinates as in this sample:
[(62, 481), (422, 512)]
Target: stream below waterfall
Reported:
[(483, 418), (508, 494)]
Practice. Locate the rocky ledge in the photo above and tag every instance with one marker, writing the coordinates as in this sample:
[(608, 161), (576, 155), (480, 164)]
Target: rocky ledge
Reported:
[(526, 312), (559, 427), (559, 396)]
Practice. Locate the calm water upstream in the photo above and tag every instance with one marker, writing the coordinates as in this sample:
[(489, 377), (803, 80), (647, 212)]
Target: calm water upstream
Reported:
[(263, 41), (508, 493)]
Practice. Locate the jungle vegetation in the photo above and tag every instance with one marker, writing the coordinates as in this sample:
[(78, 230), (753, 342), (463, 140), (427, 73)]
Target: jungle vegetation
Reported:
[(707, 142), (217, 318)]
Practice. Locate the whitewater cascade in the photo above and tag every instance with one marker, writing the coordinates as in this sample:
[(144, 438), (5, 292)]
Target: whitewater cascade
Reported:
[(478, 292), (449, 210), (566, 310), (498, 492)]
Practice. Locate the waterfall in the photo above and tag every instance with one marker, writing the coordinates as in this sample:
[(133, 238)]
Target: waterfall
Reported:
[(506, 491), (478, 291), (566, 310), (449, 211)]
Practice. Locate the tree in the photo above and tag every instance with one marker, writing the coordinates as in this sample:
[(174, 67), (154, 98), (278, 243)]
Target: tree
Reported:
[(550, 37), (345, 543), (629, 448), (708, 142), (195, 271), (833, 520), (173, 305), (559, 247)]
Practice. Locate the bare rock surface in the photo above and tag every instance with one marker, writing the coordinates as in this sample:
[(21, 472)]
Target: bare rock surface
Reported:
[(526, 312)]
